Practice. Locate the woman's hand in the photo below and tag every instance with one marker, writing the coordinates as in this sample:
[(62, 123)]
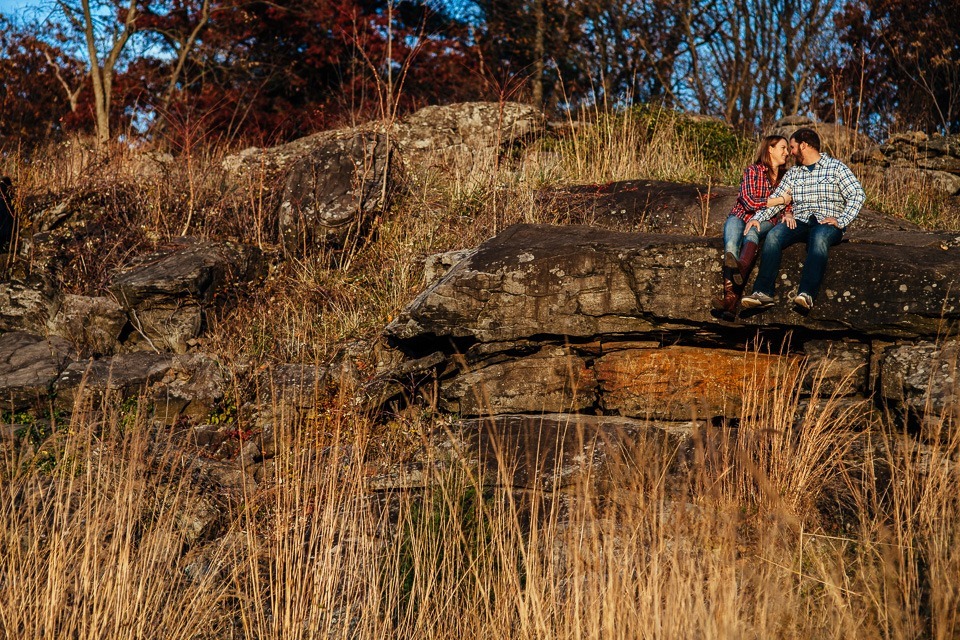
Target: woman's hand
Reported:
[(787, 197), (790, 221)]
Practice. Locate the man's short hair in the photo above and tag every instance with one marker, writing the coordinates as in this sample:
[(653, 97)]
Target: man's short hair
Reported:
[(807, 135)]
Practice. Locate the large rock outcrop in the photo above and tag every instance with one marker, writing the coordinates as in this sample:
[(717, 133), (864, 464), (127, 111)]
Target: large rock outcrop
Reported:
[(335, 182), (552, 319), (581, 282)]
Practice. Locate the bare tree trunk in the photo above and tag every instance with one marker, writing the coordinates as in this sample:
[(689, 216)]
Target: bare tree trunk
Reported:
[(101, 73), (538, 53), (73, 94)]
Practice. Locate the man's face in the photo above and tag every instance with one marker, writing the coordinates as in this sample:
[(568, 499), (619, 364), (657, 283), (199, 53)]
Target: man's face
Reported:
[(795, 150)]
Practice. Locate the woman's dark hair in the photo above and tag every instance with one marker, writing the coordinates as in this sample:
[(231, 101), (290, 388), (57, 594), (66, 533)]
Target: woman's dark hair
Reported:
[(763, 157)]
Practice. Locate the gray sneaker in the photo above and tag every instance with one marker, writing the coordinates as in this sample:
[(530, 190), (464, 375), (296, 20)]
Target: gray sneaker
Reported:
[(757, 300), (804, 301)]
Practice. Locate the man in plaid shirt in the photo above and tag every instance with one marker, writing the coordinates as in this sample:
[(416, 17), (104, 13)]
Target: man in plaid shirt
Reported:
[(826, 198)]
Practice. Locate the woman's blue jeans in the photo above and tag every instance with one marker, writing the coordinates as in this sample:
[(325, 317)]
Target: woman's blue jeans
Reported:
[(819, 239), (733, 237)]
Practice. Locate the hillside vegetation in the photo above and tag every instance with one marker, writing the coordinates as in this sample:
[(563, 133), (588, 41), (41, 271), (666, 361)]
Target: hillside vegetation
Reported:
[(793, 525)]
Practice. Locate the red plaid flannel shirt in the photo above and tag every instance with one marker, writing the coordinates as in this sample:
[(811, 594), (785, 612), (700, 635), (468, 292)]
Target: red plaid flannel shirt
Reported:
[(755, 188)]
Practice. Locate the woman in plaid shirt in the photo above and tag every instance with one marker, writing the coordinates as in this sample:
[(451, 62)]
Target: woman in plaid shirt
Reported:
[(739, 250)]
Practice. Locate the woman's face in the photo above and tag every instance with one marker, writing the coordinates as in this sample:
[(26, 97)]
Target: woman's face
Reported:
[(778, 153)]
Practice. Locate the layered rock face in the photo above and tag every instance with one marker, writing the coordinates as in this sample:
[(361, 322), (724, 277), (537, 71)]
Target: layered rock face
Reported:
[(553, 319), (915, 157)]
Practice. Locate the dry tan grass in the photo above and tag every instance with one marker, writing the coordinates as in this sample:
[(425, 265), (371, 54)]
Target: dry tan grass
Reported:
[(97, 541)]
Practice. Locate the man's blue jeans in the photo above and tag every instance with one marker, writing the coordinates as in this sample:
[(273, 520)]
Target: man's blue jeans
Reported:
[(733, 237), (819, 239)]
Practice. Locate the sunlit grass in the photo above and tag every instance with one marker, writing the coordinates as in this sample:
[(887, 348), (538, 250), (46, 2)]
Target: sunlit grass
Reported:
[(743, 540)]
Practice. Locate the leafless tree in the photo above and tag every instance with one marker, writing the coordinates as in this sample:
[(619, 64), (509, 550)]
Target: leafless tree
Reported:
[(105, 30), (750, 60)]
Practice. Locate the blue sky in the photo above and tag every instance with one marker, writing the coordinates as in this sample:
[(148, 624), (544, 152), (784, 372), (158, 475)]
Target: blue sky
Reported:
[(14, 8)]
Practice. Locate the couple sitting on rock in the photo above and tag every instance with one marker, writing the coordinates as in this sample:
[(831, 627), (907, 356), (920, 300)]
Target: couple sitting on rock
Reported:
[(813, 202)]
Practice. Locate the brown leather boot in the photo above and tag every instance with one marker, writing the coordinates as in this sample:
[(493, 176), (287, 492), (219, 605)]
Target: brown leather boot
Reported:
[(748, 256), (727, 302)]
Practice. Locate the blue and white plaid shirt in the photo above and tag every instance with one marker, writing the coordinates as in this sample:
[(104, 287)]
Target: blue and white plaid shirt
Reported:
[(826, 189)]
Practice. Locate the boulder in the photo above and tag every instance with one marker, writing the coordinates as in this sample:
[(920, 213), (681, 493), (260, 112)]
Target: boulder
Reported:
[(333, 191), (336, 181), (24, 307), (456, 139), (29, 365), (167, 294), (836, 139), (92, 324), (464, 142)]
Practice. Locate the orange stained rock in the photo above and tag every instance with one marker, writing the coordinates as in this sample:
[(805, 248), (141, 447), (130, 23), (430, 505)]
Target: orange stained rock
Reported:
[(681, 382)]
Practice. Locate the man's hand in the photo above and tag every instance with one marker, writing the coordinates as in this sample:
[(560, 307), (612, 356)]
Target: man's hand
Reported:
[(752, 224), (832, 221)]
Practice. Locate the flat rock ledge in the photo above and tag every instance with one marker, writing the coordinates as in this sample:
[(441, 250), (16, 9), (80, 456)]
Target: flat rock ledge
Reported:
[(573, 319)]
